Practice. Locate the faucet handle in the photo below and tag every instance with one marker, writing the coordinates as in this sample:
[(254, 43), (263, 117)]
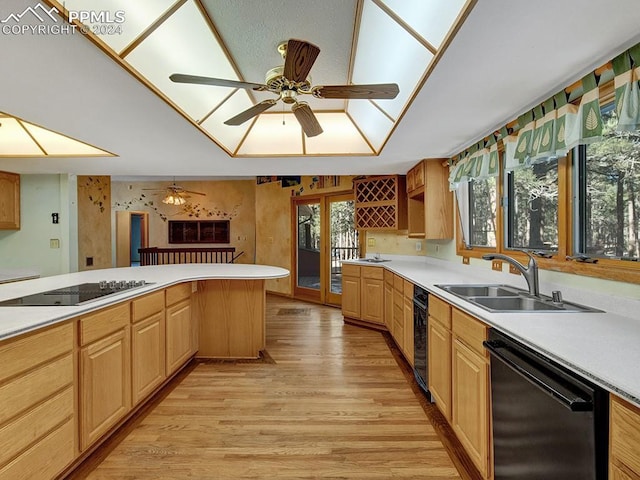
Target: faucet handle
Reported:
[(556, 297)]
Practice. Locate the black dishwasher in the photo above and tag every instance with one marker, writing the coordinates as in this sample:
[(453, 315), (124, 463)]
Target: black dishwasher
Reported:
[(420, 318), (548, 423)]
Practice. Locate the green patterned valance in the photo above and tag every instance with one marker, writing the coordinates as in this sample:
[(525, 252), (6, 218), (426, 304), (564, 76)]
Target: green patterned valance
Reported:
[(627, 89), (586, 126), (481, 161)]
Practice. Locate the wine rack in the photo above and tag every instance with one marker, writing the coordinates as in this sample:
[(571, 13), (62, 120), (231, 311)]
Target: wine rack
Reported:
[(381, 203)]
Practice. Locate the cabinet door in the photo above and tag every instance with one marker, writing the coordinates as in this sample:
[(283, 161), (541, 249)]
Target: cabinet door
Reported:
[(470, 406), (372, 300), (398, 319), (105, 385), (439, 352), (178, 335), (351, 297), (388, 306), (147, 352), (9, 201), (408, 330)]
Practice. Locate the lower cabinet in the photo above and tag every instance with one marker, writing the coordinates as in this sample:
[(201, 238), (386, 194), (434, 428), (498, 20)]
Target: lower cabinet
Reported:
[(439, 364), (178, 335), (147, 356), (470, 405), (408, 321), (388, 300), (37, 416), (363, 293), (624, 448), (105, 384)]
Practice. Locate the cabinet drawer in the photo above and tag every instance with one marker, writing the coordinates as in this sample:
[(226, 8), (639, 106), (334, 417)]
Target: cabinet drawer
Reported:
[(104, 322), (21, 393), (388, 277), (178, 292), (22, 431), (398, 282), (471, 331), (146, 306), (22, 354), (45, 459), (407, 287), (376, 273), (440, 310), (625, 433), (350, 270)]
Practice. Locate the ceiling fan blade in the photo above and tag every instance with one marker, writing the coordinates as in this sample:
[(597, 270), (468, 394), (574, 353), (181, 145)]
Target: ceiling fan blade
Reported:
[(249, 113), (218, 82), (299, 60), (307, 119), (195, 193), (379, 90)]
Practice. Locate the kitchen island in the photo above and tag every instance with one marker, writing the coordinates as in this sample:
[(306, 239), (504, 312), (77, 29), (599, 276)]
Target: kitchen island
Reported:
[(73, 374)]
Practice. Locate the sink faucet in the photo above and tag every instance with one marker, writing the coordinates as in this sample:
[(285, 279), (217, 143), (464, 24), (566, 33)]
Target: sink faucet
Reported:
[(530, 272)]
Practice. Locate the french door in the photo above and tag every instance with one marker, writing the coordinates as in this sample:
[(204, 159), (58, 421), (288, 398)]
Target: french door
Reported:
[(324, 234)]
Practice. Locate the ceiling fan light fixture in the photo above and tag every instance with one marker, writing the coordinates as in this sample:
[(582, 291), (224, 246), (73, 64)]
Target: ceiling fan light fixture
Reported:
[(174, 199)]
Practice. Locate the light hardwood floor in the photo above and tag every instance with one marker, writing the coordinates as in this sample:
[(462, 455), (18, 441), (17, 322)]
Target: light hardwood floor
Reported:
[(333, 403)]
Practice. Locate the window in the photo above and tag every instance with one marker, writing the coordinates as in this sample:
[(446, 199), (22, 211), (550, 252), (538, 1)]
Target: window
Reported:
[(199, 231), (532, 218), (607, 188), (483, 197)]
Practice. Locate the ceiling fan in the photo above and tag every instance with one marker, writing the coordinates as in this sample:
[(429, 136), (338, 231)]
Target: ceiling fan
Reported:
[(290, 80), (175, 194)]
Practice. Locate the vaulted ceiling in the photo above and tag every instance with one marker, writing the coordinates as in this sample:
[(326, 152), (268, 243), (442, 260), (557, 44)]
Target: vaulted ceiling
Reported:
[(506, 57)]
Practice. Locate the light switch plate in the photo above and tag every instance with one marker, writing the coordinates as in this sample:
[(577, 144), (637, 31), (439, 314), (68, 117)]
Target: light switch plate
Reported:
[(371, 242), (54, 243), (496, 265), (514, 270), (465, 260)]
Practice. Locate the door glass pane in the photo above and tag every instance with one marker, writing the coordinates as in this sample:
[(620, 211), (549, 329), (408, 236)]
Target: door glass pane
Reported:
[(308, 267), (344, 239)]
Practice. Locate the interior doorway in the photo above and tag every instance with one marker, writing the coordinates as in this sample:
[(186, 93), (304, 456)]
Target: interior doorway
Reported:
[(132, 233)]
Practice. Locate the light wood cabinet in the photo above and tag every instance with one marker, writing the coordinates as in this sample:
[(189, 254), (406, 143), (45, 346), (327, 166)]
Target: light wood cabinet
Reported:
[(415, 178), (407, 291), (9, 201), (363, 293), (105, 385), (147, 345), (351, 291), (37, 408), (439, 363), (381, 203), (372, 294), (470, 406), (398, 311), (430, 203), (178, 335), (388, 300), (624, 445)]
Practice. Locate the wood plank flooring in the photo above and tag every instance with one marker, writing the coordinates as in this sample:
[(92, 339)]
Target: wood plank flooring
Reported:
[(333, 403)]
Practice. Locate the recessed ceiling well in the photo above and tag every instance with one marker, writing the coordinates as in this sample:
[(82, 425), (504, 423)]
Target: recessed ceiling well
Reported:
[(364, 42)]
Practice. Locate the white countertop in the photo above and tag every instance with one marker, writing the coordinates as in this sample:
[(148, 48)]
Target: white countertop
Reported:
[(17, 320), (602, 346)]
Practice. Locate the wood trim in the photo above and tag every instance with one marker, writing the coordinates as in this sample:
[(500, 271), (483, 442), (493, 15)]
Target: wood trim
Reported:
[(151, 28), (423, 41)]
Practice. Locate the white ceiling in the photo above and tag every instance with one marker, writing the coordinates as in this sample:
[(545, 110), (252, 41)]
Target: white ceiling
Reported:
[(507, 57)]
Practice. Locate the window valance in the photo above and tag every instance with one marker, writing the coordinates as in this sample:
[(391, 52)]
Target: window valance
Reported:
[(551, 129)]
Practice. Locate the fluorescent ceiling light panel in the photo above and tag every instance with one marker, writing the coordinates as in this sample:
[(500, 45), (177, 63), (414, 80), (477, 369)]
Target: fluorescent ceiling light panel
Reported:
[(19, 138), (432, 19), (15, 141), (374, 124), (269, 136), (387, 53), (184, 44), (138, 16), (340, 137), (228, 135)]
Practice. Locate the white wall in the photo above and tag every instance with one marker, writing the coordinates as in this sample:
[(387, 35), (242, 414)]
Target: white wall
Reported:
[(29, 247)]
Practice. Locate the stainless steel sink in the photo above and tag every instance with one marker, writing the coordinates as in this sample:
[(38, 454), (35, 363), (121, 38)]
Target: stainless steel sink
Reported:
[(504, 298), (482, 290), (373, 260)]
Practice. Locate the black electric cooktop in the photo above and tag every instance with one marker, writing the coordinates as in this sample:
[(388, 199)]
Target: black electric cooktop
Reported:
[(73, 295)]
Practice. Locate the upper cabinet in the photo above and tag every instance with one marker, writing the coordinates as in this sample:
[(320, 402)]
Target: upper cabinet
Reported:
[(9, 201), (381, 203), (429, 202)]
